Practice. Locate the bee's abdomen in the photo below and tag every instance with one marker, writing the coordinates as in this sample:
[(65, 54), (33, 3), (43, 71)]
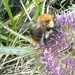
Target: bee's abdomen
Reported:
[(36, 35)]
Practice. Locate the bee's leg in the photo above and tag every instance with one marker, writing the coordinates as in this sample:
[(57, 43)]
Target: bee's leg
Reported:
[(44, 40), (55, 29)]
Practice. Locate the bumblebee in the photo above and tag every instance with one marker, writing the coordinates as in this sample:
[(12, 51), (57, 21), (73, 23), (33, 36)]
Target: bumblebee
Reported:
[(41, 30)]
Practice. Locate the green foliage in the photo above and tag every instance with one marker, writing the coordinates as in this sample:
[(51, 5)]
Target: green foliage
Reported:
[(63, 1), (38, 10), (8, 11), (14, 5), (13, 22), (11, 36), (10, 33), (2, 10)]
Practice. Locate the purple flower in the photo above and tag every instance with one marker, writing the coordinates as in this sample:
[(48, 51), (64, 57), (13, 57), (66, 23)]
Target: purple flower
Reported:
[(59, 53)]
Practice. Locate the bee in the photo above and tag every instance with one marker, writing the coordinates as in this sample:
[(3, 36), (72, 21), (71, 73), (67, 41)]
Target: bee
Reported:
[(41, 30)]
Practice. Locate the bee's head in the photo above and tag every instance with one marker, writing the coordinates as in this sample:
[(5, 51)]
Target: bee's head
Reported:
[(46, 18)]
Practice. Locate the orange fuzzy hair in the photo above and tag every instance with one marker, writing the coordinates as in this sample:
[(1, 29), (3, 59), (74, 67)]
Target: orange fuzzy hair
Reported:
[(33, 41), (41, 19), (44, 18)]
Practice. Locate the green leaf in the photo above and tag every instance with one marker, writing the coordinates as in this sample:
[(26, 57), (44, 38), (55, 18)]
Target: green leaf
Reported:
[(28, 50), (63, 1), (27, 4), (38, 10), (21, 15), (15, 33), (4, 37), (19, 20), (8, 11), (35, 14)]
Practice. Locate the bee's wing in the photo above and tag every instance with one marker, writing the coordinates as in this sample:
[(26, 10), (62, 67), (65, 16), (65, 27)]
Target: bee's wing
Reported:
[(24, 25)]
